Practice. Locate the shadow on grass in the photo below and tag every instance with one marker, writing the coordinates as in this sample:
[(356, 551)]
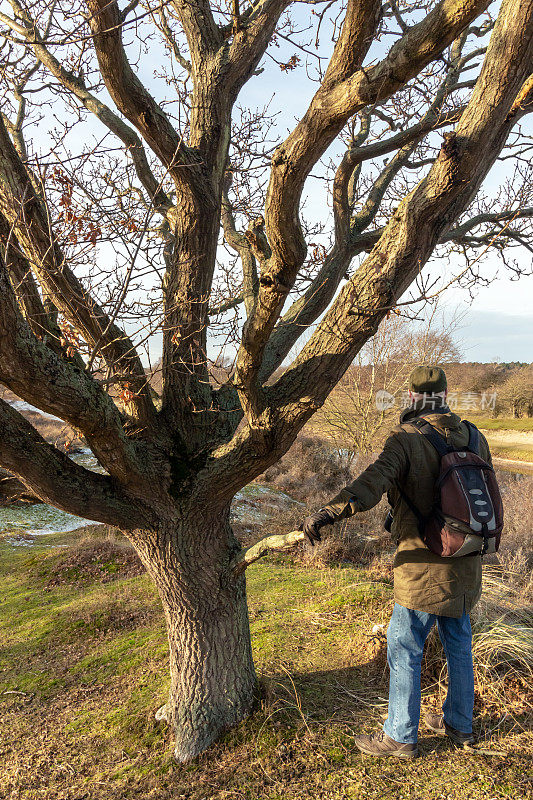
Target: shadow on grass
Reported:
[(355, 700)]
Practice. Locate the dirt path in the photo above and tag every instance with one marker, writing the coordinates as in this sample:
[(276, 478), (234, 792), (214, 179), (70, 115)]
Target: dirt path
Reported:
[(512, 465), (507, 438), (511, 450)]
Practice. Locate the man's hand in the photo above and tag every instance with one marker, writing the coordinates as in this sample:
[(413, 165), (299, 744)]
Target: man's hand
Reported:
[(311, 525)]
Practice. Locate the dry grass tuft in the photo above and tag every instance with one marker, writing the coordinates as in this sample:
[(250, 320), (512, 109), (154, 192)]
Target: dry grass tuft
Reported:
[(92, 558)]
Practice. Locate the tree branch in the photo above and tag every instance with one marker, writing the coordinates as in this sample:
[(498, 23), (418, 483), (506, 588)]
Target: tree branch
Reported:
[(343, 92), (250, 41), (204, 37), (167, 33), (337, 100), (111, 120), (317, 297), (276, 542), (14, 492), (56, 479), (133, 100), (25, 213), (290, 166), (43, 324), (426, 214), (479, 219), (37, 374), (367, 240), (241, 245)]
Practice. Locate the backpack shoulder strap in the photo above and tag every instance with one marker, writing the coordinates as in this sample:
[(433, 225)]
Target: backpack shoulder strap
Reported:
[(433, 436), (439, 443), (473, 437)]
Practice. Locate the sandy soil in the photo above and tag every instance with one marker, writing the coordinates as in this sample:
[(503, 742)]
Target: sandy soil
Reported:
[(509, 438)]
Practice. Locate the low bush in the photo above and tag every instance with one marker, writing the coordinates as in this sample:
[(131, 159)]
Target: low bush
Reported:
[(311, 471)]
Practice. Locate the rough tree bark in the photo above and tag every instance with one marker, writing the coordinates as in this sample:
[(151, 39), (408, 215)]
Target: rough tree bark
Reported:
[(213, 682), (171, 472)]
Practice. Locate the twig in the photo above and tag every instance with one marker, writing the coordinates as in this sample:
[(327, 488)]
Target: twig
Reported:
[(482, 752)]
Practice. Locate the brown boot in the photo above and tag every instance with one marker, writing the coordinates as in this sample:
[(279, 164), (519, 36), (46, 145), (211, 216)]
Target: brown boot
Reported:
[(436, 723), (382, 745)]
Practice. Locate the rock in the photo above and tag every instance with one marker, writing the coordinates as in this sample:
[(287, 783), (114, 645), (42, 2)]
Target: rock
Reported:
[(161, 714)]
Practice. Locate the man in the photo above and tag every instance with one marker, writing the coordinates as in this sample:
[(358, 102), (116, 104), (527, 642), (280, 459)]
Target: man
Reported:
[(428, 588)]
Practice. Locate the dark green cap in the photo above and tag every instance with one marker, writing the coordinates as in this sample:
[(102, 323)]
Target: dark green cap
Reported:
[(427, 380)]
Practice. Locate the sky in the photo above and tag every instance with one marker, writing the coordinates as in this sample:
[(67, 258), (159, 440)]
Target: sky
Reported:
[(498, 323), (498, 319)]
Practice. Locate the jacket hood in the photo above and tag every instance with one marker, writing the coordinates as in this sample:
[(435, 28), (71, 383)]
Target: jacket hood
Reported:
[(440, 417)]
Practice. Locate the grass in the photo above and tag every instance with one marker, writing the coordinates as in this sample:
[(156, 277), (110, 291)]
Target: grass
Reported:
[(501, 423), (83, 667)]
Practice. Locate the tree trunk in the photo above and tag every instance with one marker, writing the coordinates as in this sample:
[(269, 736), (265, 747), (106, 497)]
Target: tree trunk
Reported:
[(212, 673)]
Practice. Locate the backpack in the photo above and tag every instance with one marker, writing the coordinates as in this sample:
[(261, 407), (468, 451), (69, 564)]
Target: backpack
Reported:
[(467, 516)]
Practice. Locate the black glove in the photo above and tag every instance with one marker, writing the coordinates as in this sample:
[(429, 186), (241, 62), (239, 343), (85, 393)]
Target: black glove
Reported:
[(311, 525)]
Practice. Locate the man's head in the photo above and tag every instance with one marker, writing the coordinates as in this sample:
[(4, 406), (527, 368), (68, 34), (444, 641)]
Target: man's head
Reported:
[(427, 383)]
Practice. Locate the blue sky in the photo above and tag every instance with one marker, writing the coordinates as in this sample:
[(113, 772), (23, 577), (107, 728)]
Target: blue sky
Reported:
[(498, 322), (496, 336)]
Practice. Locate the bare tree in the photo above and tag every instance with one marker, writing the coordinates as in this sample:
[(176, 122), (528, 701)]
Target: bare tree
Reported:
[(516, 394), (105, 244), (357, 413)]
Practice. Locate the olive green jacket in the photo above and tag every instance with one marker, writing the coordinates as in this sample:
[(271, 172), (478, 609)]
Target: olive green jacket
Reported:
[(423, 580)]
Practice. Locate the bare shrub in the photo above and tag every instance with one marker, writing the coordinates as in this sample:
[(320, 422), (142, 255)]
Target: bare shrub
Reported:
[(310, 471), (351, 541), (517, 493), (313, 473), (353, 416)]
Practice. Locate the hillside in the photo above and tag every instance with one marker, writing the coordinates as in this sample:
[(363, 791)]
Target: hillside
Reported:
[(83, 667)]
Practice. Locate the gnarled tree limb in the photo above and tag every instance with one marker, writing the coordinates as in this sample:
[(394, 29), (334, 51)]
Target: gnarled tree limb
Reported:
[(345, 90), (275, 542), (291, 164), (58, 480), (133, 100), (426, 214), (251, 40), (42, 323), (204, 37), (40, 376), (24, 211)]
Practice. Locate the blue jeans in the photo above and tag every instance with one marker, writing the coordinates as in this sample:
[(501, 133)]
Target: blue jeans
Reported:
[(406, 635)]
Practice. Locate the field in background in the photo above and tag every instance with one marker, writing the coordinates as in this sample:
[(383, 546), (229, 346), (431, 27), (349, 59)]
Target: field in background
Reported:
[(508, 438), (500, 423)]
